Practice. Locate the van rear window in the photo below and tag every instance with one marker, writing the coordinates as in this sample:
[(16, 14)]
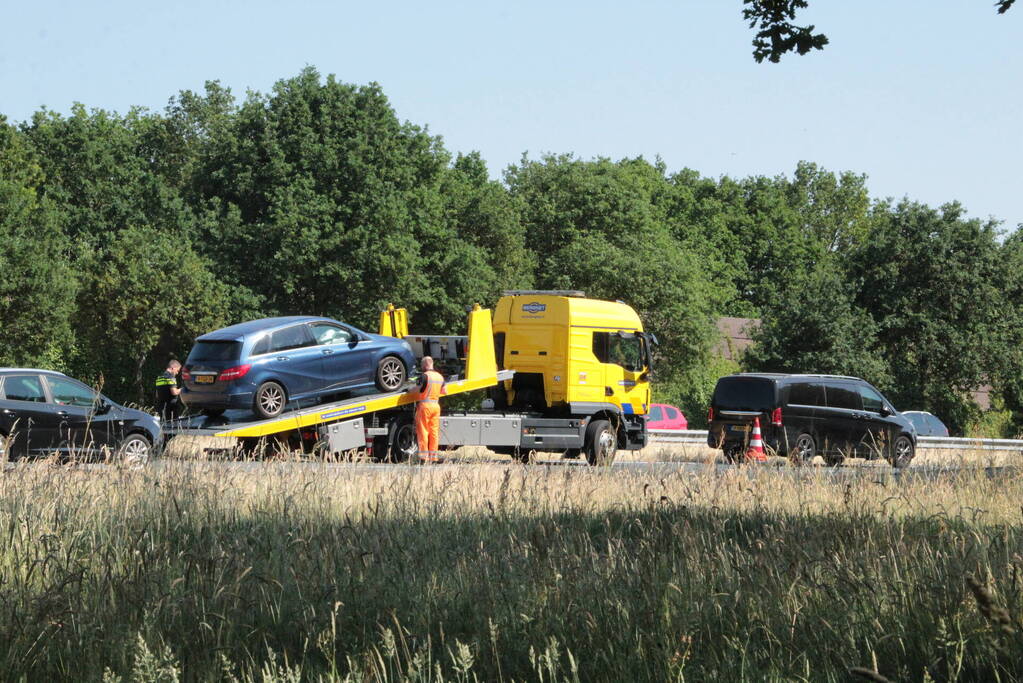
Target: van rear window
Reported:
[(744, 393), (215, 350)]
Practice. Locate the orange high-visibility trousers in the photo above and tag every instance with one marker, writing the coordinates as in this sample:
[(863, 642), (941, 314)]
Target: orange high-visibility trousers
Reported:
[(428, 428)]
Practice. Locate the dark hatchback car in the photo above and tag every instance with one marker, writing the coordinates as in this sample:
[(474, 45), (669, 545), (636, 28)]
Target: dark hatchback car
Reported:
[(44, 412), (263, 365), (806, 415)]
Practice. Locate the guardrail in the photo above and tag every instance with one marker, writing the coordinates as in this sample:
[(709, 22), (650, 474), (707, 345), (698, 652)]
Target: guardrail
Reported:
[(699, 437)]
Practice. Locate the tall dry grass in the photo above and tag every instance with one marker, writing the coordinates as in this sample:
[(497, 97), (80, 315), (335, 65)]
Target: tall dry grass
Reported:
[(304, 572)]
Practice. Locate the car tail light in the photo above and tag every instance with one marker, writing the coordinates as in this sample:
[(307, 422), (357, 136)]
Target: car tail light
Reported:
[(185, 374), (776, 417), (236, 372), (710, 414)]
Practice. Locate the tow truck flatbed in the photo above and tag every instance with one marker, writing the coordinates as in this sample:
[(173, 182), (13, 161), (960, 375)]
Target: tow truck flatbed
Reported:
[(480, 373)]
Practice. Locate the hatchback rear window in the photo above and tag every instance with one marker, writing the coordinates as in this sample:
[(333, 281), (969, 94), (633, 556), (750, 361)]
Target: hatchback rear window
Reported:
[(215, 350), (744, 393)]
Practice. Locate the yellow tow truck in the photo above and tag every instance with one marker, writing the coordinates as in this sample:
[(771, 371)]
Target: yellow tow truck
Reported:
[(562, 373)]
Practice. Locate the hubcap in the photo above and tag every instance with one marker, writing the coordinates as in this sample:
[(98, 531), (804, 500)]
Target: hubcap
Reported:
[(805, 447), (136, 451), (605, 445), (902, 450), (271, 400), (392, 373)]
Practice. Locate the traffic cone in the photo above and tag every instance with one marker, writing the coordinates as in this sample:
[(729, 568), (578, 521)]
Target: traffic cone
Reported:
[(755, 452)]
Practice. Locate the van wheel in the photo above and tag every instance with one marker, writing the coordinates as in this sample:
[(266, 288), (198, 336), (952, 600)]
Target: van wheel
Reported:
[(902, 452), (390, 373), (270, 400), (601, 443), (833, 460), (734, 454), (804, 450)]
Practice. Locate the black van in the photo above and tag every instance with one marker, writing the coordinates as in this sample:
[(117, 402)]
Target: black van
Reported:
[(806, 415)]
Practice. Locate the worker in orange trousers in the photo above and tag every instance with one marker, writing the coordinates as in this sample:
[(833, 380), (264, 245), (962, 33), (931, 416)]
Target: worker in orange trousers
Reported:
[(431, 388)]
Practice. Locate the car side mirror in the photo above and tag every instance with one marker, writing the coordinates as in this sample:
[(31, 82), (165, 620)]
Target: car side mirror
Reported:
[(885, 411)]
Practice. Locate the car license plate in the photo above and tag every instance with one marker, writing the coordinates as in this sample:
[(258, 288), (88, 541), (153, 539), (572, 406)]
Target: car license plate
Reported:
[(738, 429), (204, 379)]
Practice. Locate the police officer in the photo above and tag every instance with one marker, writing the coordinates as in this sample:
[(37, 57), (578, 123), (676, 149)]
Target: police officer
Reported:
[(431, 388), (168, 401)]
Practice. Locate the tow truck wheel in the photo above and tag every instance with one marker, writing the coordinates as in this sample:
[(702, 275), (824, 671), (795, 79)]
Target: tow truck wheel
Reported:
[(402, 443), (270, 400), (601, 443), (391, 373)]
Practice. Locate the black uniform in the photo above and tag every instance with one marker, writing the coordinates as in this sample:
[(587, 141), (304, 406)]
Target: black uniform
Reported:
[(168, 406)]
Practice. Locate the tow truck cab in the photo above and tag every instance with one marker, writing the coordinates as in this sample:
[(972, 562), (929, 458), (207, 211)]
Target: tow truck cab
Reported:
[(574, 356)]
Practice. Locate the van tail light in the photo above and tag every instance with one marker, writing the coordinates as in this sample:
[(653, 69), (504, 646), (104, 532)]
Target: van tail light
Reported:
[(710, 414), (185, 374), (776, 417), (236, 372)]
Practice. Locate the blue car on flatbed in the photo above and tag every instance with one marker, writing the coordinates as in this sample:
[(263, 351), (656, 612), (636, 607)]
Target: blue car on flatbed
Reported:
[(264, 365)]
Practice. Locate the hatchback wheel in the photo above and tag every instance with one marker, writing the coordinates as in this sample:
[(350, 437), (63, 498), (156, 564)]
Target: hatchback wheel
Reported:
[(270, 400), (390, 373), (134, 450), (902, 452), (804, 450)]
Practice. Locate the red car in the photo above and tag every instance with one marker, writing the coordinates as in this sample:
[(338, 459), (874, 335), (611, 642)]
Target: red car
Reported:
[(666, 417)]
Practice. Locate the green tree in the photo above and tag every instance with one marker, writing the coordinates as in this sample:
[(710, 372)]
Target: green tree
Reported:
[(777, 35), (334, 206), (602, 227), (814, 327), (37, 286), (152, 295), (931, 279)]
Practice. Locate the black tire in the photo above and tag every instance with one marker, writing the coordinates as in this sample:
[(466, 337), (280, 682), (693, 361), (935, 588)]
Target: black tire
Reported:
[(833, 459), (391, 373), (402, 444), (135, 450), (524, 455), (379, 453), (803, 451), (269, 400), (902, 452), (601, 443), (734, 454)]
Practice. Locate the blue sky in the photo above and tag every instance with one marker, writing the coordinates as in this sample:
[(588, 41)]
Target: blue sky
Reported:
[(923, 96)]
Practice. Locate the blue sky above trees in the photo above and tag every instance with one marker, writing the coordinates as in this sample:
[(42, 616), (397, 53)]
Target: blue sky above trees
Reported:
[(921, 95)]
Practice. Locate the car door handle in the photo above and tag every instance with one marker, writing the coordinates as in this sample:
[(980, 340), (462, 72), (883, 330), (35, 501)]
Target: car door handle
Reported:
[(327, 352), (5, 411), (282, 358), (62, 413)]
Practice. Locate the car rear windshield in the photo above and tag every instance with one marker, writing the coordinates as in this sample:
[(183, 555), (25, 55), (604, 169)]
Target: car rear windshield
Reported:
[(744, 393), (215, 350)]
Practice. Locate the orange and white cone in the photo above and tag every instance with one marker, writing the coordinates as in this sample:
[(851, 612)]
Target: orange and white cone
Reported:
[(755, 452)]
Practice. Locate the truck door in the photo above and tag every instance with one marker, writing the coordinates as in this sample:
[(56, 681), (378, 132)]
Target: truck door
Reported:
[(622, 356)]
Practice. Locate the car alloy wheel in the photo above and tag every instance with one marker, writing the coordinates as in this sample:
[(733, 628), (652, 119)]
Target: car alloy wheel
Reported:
[(390, 373), (270, 399), (134, 450)]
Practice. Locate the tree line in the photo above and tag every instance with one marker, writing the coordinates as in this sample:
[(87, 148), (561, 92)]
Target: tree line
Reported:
[(125, 236)]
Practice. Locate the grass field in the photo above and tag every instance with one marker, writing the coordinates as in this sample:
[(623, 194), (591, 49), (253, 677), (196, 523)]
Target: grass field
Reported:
[(493, 572)]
